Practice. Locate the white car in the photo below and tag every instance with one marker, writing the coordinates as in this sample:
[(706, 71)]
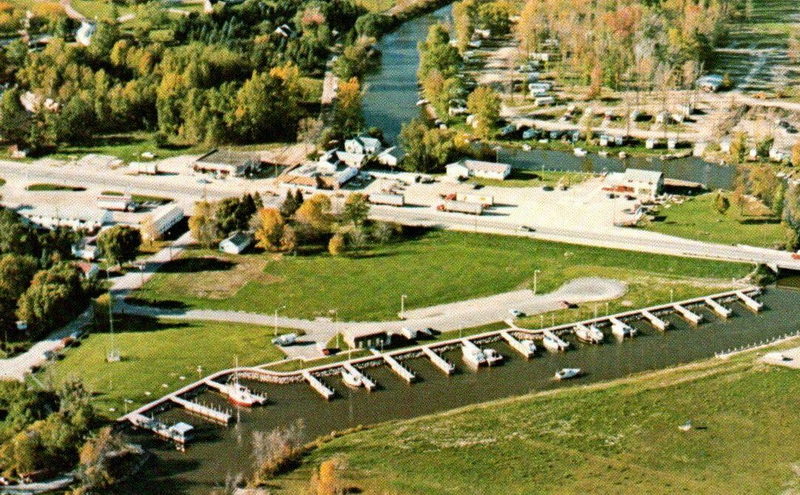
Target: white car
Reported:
[(516, 313), (286, 339)]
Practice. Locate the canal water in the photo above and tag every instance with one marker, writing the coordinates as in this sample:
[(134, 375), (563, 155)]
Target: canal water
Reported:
[(392, 93), (220, 451)]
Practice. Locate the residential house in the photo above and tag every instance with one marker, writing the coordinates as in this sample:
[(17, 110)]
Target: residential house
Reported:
[(236, 243)]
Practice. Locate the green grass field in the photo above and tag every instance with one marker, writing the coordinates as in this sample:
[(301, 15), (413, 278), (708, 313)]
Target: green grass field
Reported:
[(157, 352), (620, 437), (697, 219), (533, 178), (54, 187), (128, 147), (437, 267)]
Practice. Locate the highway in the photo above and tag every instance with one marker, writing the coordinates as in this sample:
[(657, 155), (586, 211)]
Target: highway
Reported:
[(186, 190)]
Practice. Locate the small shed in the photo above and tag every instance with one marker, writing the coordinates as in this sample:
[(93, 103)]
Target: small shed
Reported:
[(236, 243)]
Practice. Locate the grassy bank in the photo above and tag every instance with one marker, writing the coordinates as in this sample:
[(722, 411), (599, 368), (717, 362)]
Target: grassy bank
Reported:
[(533, 178), (54, 187), (697, 218), (156, 352), (435, 268), (621, 437)]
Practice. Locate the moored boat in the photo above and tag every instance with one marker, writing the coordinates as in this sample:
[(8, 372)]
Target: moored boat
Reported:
[(589, 334), (351, 379), (567, 373)]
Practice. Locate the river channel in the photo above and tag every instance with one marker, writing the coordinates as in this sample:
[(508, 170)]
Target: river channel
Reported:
[(218, 451), (392, 93)]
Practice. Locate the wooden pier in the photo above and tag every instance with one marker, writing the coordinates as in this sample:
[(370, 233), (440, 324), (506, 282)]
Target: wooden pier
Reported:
[(398, 368), (177, 433), (620, 328), (447, 367), (317, 385), (211, 414), (688, 315), (365, 380), (520, 347), (718, 308), (655, 320), (749, 302)]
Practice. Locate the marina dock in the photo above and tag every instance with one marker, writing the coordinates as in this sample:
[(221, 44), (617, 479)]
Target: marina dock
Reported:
[(519, 339), (365, 380), (398, 368), (211, 414), (447, 367), (718, 308), (517, 345), (749, 302), (688, 315), (317, 385), (655, 320)]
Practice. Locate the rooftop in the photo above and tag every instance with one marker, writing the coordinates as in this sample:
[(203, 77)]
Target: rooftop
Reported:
[(486, 166), (227, 157), (639, 175)]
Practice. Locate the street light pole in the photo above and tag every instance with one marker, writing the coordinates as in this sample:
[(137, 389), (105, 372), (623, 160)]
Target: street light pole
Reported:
[(535, 281), (403, 306)]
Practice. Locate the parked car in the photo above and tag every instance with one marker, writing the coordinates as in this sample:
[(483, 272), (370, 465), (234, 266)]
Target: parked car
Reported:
[(527, 228), (516, 313)]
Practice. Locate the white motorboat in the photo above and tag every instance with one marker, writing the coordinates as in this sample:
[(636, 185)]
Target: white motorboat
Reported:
[(622, 330), (590, 334), (422, 102), (351, 379), (492, 357), (240, 395), (530, 345), (567, 373), (473, 355), (553, 343), (580, 152)]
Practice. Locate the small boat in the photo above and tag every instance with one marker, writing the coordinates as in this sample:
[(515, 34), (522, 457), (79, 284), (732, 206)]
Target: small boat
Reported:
[(580, 152), (553, 343), (529, 345), (492, 357), (590, 334), (240, 395), (351, 379), (567, 373), (422, 102)]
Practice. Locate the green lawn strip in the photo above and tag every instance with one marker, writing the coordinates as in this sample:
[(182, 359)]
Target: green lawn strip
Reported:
[(697, 218), (141, 198), (54, 187), (534, 178), (438, 267), (156, 352), (617, 437), (2, 181)]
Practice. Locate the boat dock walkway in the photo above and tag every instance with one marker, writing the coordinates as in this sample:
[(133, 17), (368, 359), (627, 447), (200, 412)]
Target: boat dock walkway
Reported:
[(688, 315), (316, 384), (214, 415), (446, 366), (398, 368), (365, 380), (515, 344), (655, 320), (718, 308), (160, 429), (748, 301)]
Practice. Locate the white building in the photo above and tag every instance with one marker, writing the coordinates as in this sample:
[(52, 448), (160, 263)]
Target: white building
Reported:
[(78, 218), (162, 219), (236, 243), (227, 163), (476, 168), (363, 145), (391, 157), (644, 184), (356, 160)]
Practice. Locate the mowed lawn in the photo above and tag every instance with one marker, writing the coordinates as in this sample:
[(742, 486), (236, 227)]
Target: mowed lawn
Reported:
[(158, 352), (698, 219), (617, 438), (437, 267)]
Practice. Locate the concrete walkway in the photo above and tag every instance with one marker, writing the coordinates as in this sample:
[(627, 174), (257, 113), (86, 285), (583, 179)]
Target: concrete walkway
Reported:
[(17, 367), (445, 317)]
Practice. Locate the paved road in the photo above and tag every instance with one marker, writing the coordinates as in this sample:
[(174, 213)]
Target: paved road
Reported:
[(445, 317), (17, 367), (617, 237)]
